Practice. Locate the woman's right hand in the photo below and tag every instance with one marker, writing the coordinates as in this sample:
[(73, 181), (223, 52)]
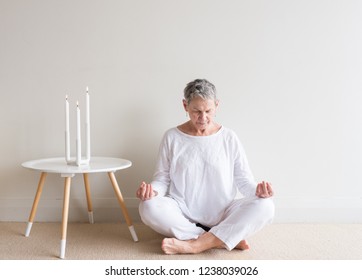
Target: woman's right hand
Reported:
[(145, 192)]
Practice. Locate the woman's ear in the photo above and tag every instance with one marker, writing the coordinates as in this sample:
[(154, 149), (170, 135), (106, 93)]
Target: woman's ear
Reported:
[(184, 102)]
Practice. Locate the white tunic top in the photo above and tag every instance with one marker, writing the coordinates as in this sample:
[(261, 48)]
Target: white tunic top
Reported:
[(202, 173)]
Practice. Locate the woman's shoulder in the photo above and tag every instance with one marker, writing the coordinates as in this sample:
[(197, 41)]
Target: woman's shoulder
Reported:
[(229, 132), (231, 136), (171, 131), (170, 134)]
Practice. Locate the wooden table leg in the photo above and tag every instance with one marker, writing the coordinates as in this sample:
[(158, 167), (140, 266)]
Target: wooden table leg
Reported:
[(35, 203), (89, 200), (65, 216), (123, 205)]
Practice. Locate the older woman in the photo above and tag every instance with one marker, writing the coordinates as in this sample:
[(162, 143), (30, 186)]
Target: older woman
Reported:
[(200, 169)]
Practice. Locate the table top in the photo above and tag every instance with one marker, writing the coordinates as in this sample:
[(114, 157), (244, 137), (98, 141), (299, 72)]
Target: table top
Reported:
[(59, 165)]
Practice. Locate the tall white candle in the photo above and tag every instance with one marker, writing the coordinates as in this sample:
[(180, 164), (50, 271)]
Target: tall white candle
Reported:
[(78, 140), (67, 136), (87, 126)]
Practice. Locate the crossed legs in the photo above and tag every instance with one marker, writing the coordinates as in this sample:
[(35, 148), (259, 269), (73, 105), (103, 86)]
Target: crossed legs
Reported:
[(242, 219)]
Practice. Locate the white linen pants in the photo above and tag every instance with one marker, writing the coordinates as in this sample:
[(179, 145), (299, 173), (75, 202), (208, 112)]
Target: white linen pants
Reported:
[(241, 219)]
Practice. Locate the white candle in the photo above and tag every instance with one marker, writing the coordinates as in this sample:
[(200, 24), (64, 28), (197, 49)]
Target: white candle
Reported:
[(78, 140), (67, 148), (87, 126)]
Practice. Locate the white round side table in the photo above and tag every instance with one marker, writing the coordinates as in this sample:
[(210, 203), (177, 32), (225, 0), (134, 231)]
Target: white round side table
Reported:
[(59, 166)]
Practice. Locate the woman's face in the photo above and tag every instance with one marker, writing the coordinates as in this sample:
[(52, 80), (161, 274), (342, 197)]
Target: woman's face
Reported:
[(201, 112)]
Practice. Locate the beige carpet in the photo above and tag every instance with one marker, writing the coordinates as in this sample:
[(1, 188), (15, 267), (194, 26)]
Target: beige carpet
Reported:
[(112, 241)]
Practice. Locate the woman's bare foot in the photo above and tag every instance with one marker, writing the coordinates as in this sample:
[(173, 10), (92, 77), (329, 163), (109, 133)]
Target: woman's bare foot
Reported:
[(204, 242), (243, 245), (172, 246)]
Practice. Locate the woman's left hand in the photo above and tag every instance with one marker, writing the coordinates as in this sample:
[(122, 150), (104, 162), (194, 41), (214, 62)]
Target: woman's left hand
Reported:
[(264, 190)]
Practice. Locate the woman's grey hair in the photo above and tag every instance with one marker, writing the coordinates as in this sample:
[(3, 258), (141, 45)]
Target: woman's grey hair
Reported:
[(199, 87)]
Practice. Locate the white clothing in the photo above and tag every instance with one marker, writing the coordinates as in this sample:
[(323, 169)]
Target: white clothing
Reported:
[(241, 219), (197, 179)]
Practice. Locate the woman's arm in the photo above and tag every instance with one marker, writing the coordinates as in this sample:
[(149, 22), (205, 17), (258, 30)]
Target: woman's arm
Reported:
[(161, 177)]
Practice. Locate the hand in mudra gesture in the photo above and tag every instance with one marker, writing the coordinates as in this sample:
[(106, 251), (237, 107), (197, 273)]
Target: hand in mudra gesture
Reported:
[(145, 192), (264, 190)]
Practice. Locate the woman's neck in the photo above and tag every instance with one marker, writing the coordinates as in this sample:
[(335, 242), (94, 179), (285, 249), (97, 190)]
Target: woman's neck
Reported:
[(188, 128)]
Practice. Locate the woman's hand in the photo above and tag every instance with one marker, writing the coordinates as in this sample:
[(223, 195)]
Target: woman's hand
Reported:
[(264, 190), (145, 192)]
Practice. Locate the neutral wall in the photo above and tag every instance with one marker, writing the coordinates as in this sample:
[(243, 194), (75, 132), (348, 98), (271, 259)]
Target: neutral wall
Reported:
[(288, 74)]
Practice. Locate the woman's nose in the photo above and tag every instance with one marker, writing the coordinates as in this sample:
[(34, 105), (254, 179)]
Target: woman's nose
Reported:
[(202, 115)]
